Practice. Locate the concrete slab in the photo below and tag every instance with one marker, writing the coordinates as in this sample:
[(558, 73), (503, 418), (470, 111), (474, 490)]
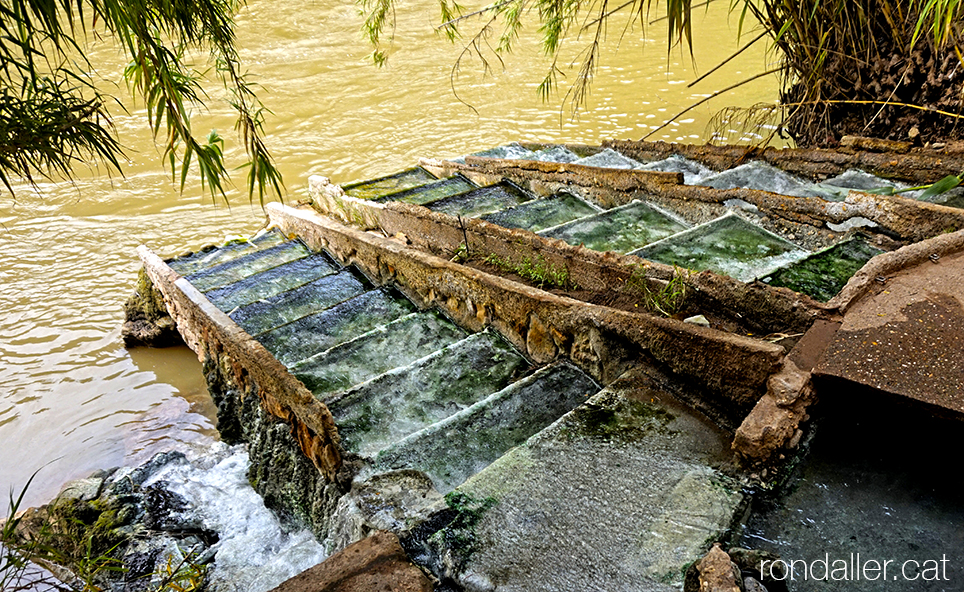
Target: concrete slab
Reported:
[(906, 335), (621, 494)]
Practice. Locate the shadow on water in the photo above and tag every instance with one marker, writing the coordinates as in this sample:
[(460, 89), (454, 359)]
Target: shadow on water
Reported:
[(880, 480)]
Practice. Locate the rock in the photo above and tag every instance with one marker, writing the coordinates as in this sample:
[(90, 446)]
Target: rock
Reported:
[(750, 560), (375, 563), (717, 572), (83, 490), (753, 585), (697, 320)]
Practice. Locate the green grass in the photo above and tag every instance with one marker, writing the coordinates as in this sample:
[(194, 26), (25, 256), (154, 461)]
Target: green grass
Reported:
[(668, 299), (537, 270)]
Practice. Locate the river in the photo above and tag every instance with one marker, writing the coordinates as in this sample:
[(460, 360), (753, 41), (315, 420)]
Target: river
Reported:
[(73, 399)]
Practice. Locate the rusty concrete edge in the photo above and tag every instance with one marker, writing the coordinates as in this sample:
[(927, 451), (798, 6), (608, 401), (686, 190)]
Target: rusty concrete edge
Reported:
[(683, 347), (911, 219), (282, 395), (605, 267), (887, 264)]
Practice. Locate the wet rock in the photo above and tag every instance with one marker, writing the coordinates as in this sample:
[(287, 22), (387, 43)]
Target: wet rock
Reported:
[(398, 501), (83, 490), (751, 562), (717, 573), (753, 585), (375, 563), (146, 321)]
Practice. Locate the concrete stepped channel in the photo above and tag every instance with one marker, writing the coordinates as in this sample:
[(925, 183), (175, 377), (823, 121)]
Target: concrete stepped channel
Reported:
[(565, 367)]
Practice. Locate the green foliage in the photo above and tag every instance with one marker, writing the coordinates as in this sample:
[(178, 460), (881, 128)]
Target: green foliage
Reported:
[(538, 270), (53, 117), (78, 537), (668, 299)]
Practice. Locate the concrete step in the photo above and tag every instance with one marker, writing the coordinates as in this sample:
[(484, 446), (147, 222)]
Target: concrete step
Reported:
[(272, 282), (315, 333), (209, 257), (457, 447), (248, 264), (728, 245), (382, 411), (291, 305), (484, 200), (823, 274), (543, 213), (619, 495), (621, 229), (375, 188), (428, 192), (389, 346)]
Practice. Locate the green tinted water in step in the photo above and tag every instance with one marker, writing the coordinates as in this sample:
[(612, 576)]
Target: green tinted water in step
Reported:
[(620, 229), (822, 275), (543, 213), (383, 185), (311, 298), (315, 333), (432, 191), (406, 400), (460, 446), (398, 343), (481, 201), (272, 282), (728, 245), (247, 265), (211, 257)]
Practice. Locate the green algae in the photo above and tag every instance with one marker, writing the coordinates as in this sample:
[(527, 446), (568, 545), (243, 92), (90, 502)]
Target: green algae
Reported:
[(376, 188), (540, 214), (249, 264), (728, 245), (620, 229), (615, 419), (822, 275), (430, 192), (211, 256)]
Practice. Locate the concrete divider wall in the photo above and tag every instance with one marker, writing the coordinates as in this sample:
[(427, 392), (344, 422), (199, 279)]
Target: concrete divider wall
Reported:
[(252, 369), (729, 370), (759, 307), (908, 219)]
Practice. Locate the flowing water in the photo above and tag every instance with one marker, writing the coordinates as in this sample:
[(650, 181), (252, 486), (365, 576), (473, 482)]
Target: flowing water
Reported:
[(73, 399)]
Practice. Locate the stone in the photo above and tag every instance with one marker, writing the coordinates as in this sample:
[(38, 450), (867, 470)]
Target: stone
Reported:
[(83, 490), (753, 585), (717, 572), (750, 562), (375, 563), (697, 320)]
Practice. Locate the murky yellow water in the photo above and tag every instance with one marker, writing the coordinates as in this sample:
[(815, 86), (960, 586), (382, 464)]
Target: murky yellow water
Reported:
[(72, 399)]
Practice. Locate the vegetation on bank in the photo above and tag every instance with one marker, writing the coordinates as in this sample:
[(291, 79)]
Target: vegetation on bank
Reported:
[(54, 117), (885, 68)]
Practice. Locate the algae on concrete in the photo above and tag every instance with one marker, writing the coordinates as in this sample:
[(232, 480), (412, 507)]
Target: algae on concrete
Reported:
[(823, 274), (384, 185), (291, 305), (272, 282), (249, 264), (205, 258), (620, 229), (429, 192), (483, 200), (621, 501), (543, 213), (403, 401), (395, 344), (728, 245), (317, 332), (460, 446)]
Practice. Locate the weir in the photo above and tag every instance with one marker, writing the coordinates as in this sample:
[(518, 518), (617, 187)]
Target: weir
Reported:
[(520, 360)]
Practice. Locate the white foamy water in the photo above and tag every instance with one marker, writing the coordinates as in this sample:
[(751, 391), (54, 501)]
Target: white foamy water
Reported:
[(256, 552)]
